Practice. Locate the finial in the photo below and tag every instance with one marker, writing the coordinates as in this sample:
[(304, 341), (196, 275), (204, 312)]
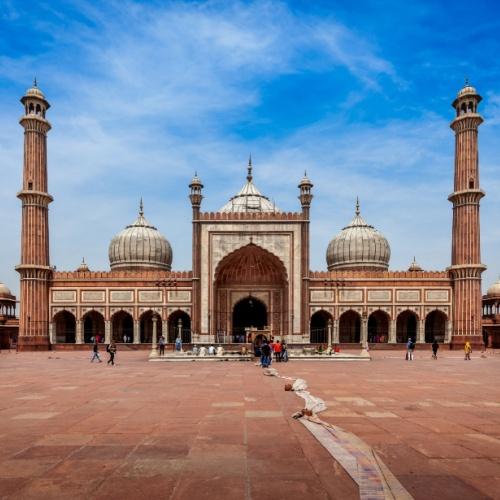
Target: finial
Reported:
[(249, 174), (357, 206), (141, 208), (466, 81), (196, 173), (305, 173), (34, 82), (83, 260)]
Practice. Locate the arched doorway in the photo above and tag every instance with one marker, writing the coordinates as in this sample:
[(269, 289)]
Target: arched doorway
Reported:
[(350, 327), (406, 327), (146, 327), (378, 327), (122, 327), (93, 324), (319, 327), (65, 326), (435, 326), (250, 272), (179, 319), (248, 313)]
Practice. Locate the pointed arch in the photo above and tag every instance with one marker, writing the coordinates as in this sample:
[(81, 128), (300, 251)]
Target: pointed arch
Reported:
[(350, 327), (65, 327)]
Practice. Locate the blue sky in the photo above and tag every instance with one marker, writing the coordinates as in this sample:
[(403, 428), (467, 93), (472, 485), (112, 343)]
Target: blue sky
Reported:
[(145, 93)]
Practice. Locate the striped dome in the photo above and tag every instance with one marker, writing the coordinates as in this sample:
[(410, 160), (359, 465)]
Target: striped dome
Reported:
[(358, 245), (140, 246)]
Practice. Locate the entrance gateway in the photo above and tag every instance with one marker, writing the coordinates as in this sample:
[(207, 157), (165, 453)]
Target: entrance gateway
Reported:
[(250, 294)]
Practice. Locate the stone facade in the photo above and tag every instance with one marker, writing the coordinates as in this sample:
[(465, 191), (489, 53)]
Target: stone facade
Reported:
[(250, 272)]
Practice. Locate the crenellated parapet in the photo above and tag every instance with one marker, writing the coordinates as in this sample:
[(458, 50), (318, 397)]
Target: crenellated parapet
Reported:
[(251, 216)]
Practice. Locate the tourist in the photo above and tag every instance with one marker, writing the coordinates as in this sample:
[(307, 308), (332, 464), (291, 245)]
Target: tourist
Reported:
[(211, 350), (161, 343), (284, 352), (178, 344), (112, 351), (265, 358), (195, 350), (409, 350), (124, 339), (95, 354), (435, 347), (271, 346), (467, 350), (277, 351)]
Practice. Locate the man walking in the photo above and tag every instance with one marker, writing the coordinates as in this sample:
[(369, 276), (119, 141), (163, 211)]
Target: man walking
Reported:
[(409, 350), (96, 353), (467, 350), (266, 355), (112, 351), (435, 347), (277, 351)]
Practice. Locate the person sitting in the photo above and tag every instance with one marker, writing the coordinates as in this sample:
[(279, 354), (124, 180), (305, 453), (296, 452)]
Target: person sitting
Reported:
[(211, 350), (195, 350)]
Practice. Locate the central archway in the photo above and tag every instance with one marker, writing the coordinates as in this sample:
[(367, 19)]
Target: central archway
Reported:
[(248, 313), (250, 290)]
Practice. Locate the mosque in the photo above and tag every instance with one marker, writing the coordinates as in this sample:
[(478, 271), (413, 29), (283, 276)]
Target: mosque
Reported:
[(250, 274)]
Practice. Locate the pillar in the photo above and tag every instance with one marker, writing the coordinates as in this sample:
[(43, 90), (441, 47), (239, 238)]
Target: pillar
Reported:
[(336, 339), (164, 329), (421, 331), (392, 331), (34, 270), (364, 331), (154, 340), (137, 332), (107, 332), (79, 332), (52, 340), (330, 328), (466, 268)]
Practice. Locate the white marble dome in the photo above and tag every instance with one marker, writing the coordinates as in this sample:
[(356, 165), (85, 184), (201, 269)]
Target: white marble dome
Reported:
[(140, 246), (494, 290), (4, 290), (358, 246)]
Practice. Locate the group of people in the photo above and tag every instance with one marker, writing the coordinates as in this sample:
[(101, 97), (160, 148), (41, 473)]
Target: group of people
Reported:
[(110, 349), (268, 349), (410, 347)]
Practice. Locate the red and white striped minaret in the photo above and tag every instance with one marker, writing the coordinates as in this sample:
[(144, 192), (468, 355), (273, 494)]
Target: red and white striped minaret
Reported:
[(35, 270), (466, 267)]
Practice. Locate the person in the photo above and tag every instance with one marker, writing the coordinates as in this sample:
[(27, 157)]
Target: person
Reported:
[(265, 358), (435, 347), (409, 350), (95, 350), (178, 344), (112, 351), (271, 346), (467, 350), (277, 351), (161, 344), (211, 350), (284, 352), (124, 339), (195, 350)]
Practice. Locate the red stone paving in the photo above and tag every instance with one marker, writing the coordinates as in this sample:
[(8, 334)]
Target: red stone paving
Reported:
[(72, 429)]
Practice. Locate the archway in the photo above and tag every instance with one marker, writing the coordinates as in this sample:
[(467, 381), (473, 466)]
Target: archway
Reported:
[(65, 326), (406, 327), (435, 326), (93, 324), (146, 327), (122, 326), (319, 327), (180, 319), (350, 327), (250, 271), (248, 313), (378, 327)]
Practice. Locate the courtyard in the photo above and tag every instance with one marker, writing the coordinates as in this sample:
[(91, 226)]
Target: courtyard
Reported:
[(72, 429)]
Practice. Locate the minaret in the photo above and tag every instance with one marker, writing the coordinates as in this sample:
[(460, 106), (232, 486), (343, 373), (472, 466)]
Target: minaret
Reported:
[(466, 267), (305, 198), (196, 196), (35, 270)]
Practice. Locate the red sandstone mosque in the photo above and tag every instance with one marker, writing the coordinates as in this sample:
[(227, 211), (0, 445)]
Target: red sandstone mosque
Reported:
[(250, 269)]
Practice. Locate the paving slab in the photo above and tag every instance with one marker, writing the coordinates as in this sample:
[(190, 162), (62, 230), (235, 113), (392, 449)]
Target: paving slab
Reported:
[(72, 429)]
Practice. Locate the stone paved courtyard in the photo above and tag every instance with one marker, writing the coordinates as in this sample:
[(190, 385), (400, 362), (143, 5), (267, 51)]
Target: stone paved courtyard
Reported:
[(71, 429)]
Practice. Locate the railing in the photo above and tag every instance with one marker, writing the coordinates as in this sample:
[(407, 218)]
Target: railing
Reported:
[(319, 336), (173, 333)]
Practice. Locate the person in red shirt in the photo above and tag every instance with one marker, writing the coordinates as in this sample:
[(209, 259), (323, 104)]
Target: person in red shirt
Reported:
[(277, 351)]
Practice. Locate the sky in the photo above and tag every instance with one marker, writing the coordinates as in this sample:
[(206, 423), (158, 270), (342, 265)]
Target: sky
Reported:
[(143, 94)]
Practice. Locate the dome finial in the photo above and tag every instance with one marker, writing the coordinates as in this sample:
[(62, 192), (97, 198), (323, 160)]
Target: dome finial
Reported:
[(249, 172), (357, 206), (34, 82), (141, 208)]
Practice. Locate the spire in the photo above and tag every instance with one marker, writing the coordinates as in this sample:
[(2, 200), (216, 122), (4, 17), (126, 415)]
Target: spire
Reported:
[(357, 206), (466, 81), (249, 174), (141, 208), (34, 82)]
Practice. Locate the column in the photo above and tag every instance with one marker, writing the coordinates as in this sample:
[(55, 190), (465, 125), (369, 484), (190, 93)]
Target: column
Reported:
[(421, 331), (79, 332), (51, 333), (137, 333), (392, 331), (330, 328), (154, 351), (449, 329), (336, 339), (364, 331), (107, 332), (164, 329)]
